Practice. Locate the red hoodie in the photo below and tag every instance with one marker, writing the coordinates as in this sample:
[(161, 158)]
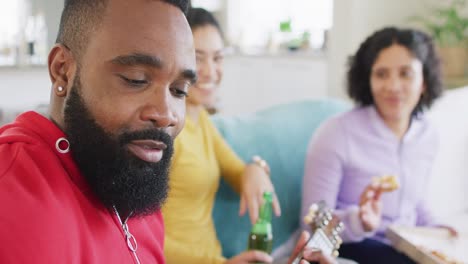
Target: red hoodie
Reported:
[(47, 212)]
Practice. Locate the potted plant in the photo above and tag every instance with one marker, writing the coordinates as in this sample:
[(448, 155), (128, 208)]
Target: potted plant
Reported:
[(449, 28)]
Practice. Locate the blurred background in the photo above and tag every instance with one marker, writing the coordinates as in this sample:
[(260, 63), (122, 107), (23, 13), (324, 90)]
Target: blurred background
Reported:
[(277, 50)]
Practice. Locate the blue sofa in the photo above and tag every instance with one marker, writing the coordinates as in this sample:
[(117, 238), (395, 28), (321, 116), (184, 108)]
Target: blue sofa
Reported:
[(280, 135)]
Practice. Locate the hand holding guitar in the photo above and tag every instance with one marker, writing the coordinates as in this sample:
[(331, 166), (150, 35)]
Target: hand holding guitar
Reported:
[(322, 247), (310, 254)]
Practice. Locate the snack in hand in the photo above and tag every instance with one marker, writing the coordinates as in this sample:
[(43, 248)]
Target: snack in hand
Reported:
[(446, 259), (441, 257), (388, 183)]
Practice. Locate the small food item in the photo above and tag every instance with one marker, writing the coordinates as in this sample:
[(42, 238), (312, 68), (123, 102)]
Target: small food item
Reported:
[(444, 258), (388, 183)]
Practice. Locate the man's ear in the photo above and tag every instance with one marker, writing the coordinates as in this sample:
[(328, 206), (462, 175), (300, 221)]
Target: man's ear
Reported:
[(62, 67)]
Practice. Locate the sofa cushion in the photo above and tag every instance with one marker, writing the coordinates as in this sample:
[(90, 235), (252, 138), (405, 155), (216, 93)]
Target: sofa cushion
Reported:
[(280, 135), (447, 190)]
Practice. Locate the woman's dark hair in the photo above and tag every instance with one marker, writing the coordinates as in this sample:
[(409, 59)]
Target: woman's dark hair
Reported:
[(199, 17), (419, 44)]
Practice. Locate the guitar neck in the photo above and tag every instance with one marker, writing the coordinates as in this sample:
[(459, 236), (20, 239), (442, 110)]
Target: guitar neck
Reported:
[(320, 241)]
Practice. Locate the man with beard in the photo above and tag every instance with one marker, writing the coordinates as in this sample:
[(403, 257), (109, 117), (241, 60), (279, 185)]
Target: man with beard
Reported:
[(85, 184)]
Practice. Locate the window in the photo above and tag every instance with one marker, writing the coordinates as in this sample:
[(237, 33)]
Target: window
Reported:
[(11, 15), (210, 5), (255, 24), (23, 35)]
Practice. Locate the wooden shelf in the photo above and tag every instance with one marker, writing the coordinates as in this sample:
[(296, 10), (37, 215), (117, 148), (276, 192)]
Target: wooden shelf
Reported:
[(457, 82)]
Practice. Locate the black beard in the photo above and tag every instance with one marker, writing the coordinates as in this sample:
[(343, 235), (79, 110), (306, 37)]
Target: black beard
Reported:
[(117, 177)]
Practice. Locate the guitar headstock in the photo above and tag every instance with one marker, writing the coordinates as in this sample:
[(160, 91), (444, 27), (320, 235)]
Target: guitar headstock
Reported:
[(326, 228)]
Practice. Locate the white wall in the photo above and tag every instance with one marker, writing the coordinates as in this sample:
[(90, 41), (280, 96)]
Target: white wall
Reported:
[(52, 10), (353, 21), (254, 83), (24, 87), (250, 83), (27, 87), (272, 80), (447, 191)]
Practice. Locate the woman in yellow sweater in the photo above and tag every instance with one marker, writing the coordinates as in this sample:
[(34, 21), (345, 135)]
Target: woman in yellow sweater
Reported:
[(201, 156)]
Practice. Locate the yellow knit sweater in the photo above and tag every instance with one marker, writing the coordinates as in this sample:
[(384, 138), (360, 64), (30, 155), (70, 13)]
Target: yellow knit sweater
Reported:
[(201, 156)]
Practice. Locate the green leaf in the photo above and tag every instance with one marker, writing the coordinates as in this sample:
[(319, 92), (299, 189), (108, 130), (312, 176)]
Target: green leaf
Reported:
[(447, 25)]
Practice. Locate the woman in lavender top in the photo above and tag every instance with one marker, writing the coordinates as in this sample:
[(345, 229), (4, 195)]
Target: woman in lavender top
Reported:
[(393, 78)]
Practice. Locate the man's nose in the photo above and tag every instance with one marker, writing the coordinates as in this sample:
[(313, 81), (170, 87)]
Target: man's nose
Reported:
[(160, 110)]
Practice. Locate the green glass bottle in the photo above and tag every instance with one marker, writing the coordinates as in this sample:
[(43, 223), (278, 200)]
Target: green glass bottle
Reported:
[(261, 235)]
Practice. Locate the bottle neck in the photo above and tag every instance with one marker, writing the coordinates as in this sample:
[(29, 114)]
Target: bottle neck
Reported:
[(265, 212), (263, 224)]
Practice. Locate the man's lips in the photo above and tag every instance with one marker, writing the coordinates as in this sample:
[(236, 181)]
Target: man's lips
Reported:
[(147, 150)]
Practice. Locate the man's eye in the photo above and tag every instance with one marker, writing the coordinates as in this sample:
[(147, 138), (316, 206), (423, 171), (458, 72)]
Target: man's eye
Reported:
[(179, 93), (219, 58), (134, 82)]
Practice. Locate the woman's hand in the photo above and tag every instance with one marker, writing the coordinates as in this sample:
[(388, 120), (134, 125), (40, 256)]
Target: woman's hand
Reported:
[(256, 181), (370, 207)]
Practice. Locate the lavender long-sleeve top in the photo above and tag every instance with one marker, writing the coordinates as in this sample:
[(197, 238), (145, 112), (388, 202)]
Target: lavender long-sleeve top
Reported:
[(348, 150)]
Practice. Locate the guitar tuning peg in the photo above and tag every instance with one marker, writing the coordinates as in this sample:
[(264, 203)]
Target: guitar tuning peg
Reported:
[(314, 207), (339, 241), (340, 227), (308, 219), (335, 253)]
